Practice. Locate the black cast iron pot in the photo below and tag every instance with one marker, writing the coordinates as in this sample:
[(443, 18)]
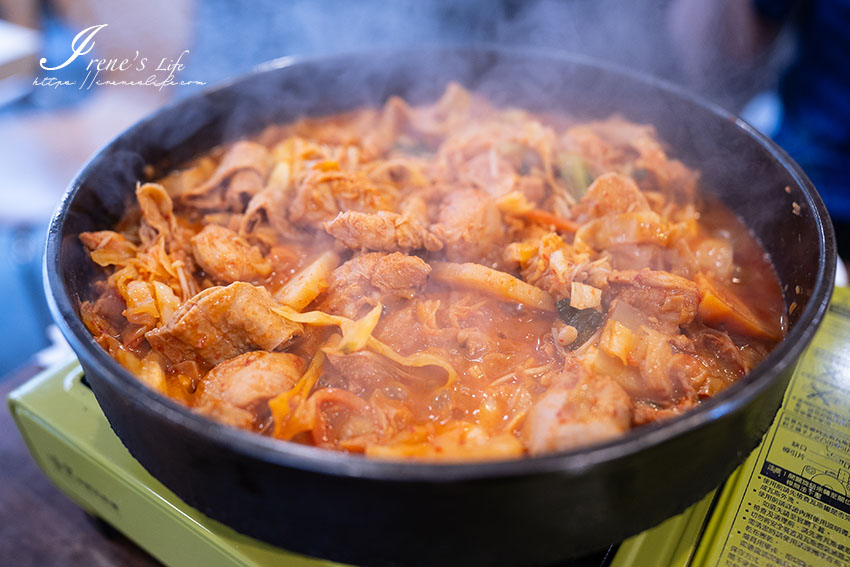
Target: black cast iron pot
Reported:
[(532, 511)]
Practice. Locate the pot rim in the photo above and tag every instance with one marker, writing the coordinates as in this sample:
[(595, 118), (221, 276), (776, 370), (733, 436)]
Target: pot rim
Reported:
[(333, 463)]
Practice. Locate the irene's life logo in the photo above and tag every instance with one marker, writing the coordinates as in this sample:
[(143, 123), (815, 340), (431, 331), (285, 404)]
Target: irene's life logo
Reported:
[(135, 71)]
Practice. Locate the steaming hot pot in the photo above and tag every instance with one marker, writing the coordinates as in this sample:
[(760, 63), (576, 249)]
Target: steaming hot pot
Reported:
[(532, 511)]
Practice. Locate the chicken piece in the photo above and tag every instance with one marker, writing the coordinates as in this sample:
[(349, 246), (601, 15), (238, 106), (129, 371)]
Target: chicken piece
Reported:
[(470, 226), (384, 231), (227, 257), (326, 191), (366, 279), (415, 208), (575, 412), (223, 322), (233, 390), (611, 193), (660, 300), (400, 275)]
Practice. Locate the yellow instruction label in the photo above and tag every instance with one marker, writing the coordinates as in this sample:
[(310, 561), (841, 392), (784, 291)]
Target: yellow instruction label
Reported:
[(789, 505)]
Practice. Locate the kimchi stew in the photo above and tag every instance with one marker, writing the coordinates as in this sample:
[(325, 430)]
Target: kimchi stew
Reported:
[(447, 281)]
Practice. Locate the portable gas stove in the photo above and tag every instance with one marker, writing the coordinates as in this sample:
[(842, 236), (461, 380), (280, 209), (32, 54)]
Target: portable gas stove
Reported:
[(788, 504)]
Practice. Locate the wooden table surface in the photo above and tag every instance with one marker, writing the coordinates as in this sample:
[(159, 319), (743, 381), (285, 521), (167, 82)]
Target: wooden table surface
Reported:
[(39, 525)]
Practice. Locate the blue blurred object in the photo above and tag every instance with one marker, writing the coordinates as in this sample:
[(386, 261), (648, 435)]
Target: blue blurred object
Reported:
[(272, 29), (815, 92), (25, 316), (56, 37)]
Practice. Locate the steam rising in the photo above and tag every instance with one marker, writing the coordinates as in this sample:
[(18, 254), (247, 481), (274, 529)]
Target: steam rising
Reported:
[(543, 83), (647, 36), (631, 34), (638, 36)]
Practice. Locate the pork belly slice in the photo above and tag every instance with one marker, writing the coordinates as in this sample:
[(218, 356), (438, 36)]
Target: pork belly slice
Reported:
[(220, 323), (369, 278), (383, 231), (227, 257)]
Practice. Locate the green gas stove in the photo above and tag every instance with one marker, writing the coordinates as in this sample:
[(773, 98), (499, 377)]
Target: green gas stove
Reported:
[(787, 505)]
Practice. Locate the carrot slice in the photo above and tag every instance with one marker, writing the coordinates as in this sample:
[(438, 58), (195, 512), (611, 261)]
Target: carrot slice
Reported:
[(548, 219), (720, 307)]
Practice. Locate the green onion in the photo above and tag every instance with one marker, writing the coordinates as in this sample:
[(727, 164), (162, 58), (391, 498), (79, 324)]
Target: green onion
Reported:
[(575, 172)]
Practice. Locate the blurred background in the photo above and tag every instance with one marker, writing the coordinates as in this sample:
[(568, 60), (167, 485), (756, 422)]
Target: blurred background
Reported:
[(746, 55)]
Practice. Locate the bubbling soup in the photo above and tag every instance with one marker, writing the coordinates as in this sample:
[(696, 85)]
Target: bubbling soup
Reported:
[(449, 281)]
